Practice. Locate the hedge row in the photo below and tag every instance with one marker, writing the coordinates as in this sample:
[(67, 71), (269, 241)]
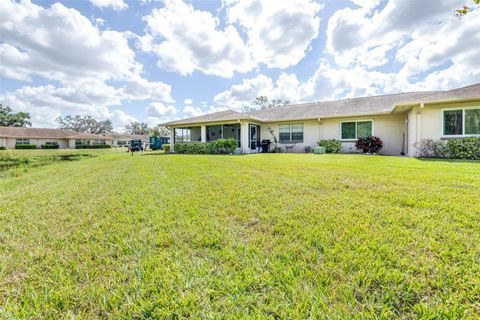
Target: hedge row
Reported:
[(50, 146), (458, 148), (220, 146), (93, 146), (25, 146), (330, 145), (3, 148)]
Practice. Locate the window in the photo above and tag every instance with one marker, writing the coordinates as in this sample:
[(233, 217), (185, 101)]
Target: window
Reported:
[(51, 143), (182, 134), (99, 142), (292, 132), (81, 142), (22, 141), (461, 122), (122, 143), (353, 130)]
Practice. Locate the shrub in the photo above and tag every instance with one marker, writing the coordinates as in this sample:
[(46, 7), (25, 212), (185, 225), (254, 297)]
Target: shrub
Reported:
[(25, 146), (166, 148), (3, 148), (369, 144), (331, 145), (432, 148), (50, 146), (464, 148), (93, 146), (190, 147), (222, 146)]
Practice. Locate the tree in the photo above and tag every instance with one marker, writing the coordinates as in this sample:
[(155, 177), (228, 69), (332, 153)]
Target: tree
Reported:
[(262, 102), (159, 131), (85, 124), (466, 9), (136, 127), (8, 118)]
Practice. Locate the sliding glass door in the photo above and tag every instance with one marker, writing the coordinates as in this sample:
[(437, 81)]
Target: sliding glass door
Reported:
[(254, 136)]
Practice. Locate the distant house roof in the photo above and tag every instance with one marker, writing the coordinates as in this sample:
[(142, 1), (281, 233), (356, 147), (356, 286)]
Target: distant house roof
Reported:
[(338, 108), (46, 133)]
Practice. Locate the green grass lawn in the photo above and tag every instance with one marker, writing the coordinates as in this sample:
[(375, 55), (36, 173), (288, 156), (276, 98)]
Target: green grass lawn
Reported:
[(259, 236)]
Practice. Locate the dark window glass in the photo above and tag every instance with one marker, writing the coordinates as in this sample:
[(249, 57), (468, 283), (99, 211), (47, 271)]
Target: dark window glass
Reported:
[(472, 121), (453, 122), (364, 129), (348, 130)]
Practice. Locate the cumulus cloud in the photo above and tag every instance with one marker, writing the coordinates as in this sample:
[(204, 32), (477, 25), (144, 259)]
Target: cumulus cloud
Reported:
[(114, 4), (185, 40), (279, 32), (60, 44), (354, 36)]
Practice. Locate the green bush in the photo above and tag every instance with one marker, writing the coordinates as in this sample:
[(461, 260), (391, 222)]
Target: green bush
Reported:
[(25, 146), (331, 145), (464, 148), (50, 146), (3, 148), (93, 146), (220, 146), (166, 148), (190, 147)]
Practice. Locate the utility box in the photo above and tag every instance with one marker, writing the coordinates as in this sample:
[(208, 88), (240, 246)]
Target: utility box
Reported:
[(319, 150)]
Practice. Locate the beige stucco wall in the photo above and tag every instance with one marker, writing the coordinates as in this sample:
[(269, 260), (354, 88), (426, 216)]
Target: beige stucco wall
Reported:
[(390, 128), (427, 122), (63, 143)]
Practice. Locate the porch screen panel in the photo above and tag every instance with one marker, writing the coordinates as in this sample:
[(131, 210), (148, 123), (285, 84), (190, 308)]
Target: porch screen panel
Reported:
[(472, 121), (214, 132)]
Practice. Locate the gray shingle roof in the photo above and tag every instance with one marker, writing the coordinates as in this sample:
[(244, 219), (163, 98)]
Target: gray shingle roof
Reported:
[(345, 107)]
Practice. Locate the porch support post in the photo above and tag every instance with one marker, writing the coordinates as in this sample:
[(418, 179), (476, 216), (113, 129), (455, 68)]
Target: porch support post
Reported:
[(244, 134), (203, 133), (172, 138)]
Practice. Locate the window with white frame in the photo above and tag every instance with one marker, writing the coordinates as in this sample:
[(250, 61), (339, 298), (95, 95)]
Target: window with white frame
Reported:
[(461, 122), (292, 132), (22, 141), (353, 130), (51, 143)]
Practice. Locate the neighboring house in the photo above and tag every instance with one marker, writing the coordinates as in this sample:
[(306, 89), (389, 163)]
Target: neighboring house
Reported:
[(64, 138), (400, 120)]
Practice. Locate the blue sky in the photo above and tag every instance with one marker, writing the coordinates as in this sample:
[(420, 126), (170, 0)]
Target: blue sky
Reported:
[(155, 61)]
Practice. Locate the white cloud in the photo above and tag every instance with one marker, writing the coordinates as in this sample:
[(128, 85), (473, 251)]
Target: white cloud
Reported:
[(114, 4), (59, 43), (191, 111), (355, 37), (159, 110), (243, 94), (188, 102), (279, 32), (186, 40)]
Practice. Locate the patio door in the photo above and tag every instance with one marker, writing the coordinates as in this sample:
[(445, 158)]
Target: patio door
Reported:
[(254, 136)]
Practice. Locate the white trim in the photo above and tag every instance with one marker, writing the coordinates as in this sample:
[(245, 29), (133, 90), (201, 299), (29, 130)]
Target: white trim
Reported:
[(463, 135), (356, 138)]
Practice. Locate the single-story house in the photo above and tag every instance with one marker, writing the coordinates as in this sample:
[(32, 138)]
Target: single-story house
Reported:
[(400, 120), (64, 138)]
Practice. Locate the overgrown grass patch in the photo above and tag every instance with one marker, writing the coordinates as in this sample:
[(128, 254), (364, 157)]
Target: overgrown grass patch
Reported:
[(260, 236)]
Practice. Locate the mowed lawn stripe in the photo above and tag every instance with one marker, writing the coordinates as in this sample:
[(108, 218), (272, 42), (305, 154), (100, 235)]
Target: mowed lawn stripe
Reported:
[(329, 236)]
